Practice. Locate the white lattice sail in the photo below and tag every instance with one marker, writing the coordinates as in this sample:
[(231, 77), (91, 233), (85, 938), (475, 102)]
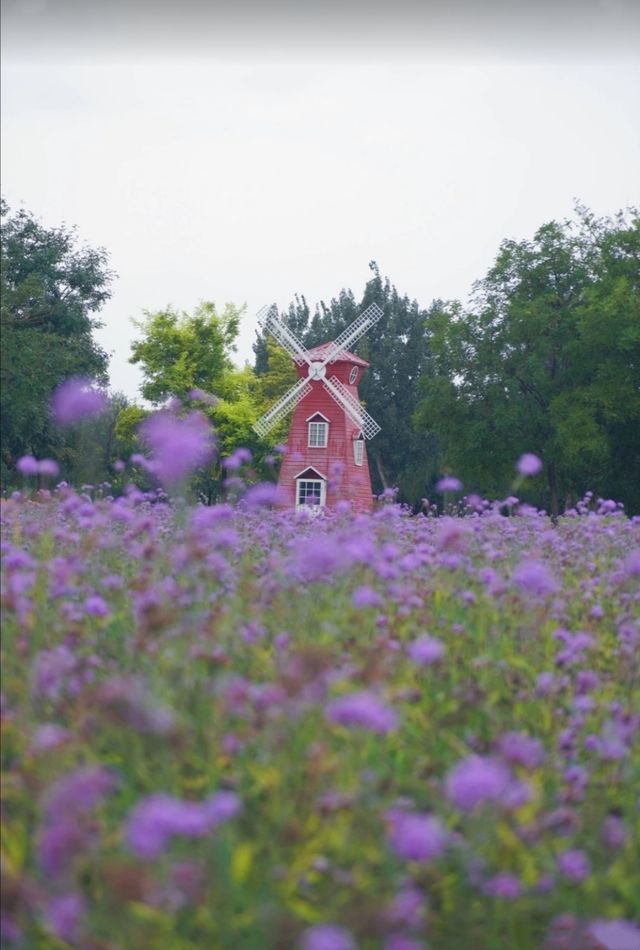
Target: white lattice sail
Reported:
[(357, 413)]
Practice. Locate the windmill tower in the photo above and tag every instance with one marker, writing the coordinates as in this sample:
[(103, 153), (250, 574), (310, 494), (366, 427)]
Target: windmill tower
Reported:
[(326, 459)]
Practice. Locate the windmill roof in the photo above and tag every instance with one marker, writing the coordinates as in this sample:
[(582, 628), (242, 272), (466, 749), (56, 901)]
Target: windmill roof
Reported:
[(346, 356)]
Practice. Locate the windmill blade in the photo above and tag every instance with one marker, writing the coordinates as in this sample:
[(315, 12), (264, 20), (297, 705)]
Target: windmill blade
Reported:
[(339, 392), (360, 325), (270, 323), (277, 413)]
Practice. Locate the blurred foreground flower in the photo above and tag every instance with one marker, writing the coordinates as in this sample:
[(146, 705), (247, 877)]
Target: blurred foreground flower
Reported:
[(426, 650), (28, 465), (178, 444), (64, 915), (479, 779), (449, 483), (156, 819), (574, 865), (535, 578), (364, 710), (417, 837), (615, 934), (75, 399), (327, 937), (529, 464)]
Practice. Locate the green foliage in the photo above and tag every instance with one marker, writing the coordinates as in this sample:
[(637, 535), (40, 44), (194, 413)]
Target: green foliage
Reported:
[(179, 352), (50, 291), (547, 361)]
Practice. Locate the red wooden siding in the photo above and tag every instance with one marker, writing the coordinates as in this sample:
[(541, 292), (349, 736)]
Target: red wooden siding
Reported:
[(345, 479)]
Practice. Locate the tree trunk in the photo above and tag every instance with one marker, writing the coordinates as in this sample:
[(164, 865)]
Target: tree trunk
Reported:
[(553, 489), (380, 469)]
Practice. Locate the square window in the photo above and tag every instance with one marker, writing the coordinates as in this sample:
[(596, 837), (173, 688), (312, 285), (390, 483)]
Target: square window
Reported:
[(318, 432), (310, 491)]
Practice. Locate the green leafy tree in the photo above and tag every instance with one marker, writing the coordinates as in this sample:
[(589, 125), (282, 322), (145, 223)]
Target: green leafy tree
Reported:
[(51, 289), (181, 354), (547, 361)]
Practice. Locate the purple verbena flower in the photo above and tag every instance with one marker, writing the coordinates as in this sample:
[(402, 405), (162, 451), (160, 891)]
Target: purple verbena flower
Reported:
[(96, 606), (27, 465), (363, 710), (76, 399), (529, 464), (449, 483), (402, 942), (520, 749), (417, 837), (327, 937), (476, 780), (407, 907), (64, 915), (262, 496), (78, 792), (574, 864), (615, 934), (50, 670), (156, 819), (48, 467), (426, 650), (535, 578), (48, 736), (366, 597), (504, 886), (237, 459), (178, 444), (614, 832), (60, 843)]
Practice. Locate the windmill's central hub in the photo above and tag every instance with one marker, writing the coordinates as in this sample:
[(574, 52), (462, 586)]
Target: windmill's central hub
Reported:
[(317, 371)]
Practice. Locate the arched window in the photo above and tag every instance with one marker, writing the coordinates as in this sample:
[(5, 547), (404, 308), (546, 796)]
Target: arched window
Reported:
[(358, 449)]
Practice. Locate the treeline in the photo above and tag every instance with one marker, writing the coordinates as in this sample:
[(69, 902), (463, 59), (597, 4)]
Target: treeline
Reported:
[(545, 359)]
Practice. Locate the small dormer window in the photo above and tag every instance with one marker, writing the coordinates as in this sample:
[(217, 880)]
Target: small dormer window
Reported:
[(318, 432), (353, 375)]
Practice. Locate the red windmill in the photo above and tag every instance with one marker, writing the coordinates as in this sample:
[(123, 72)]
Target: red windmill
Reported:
[(326, 460)]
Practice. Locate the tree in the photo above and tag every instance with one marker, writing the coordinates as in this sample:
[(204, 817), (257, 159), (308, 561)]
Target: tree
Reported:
[(188, 356), (50, 290), (547, 361), (180, 352)]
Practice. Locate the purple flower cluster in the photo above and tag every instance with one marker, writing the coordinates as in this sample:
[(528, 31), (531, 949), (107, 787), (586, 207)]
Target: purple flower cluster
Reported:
[(416, 837), (178, 444), (426, 650), (77, 399), (158, 818), (479, 780), (66, 833), (362, 710)]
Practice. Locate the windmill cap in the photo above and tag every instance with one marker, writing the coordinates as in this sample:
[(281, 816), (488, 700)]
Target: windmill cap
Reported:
[(319, 353)]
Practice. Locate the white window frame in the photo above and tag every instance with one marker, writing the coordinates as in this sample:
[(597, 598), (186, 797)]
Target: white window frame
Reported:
[(321, 495), (353, 375), (317, 434), (358, 450)]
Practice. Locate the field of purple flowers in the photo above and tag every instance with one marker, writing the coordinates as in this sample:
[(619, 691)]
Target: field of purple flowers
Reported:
[(235, 727)]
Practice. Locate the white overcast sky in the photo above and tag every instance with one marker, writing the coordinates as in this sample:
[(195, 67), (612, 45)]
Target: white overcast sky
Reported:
[(251, 152)]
